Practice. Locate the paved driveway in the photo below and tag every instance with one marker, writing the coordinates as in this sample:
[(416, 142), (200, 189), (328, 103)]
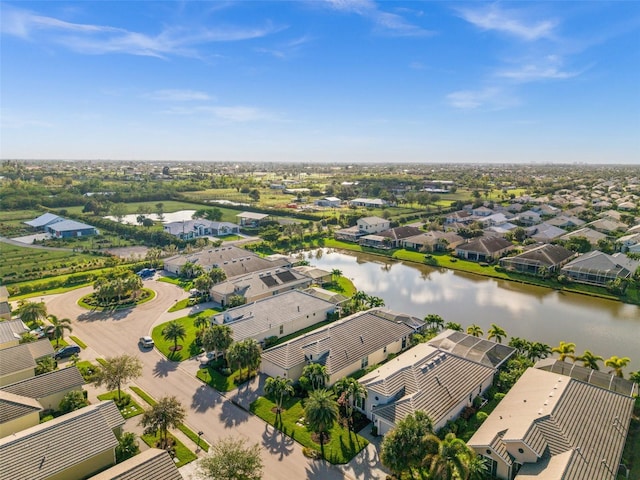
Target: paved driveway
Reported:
[(110, 334)]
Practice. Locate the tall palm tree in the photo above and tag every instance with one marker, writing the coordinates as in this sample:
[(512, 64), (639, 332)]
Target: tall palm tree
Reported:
[(59, 326), (447, 458), (590, 360), (201, 322), (617, 364), (538, 350), (174, 331), (336, 273), (351, 391), (278, 388), (321, 412), (453, 326), (496, 332), (31, 312), (474, 330), (565, 350), (217, 338), (434, 321), (317, 375)]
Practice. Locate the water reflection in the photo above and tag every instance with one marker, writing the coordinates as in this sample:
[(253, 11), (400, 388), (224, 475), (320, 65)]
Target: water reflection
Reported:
[(539, 314)]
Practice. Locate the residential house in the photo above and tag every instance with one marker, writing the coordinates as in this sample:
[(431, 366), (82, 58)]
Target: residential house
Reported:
[(5, 308), (607, 225), (460, 217), (565, 221), (368, 202), (333, 297), (17, 413), (494, 219), (501, 229), (319, 276), (564, 423), (49, 388), (538, 260), (529, 218), (375, 241), (544, 232), (629, 243), (152, 463), (349, 234), (433, 241), (440, 378), (627, 206), (343, 347), (598, 268), (333, 202), (482, 211), (11, 331), (484, 249), (233, 260), (371, 225), (190, 229), (261, 284), (19, 362), (591, 235), (275, 316), (44, 220), (395, 236), (546, 210), (251, 219), (70, 447)]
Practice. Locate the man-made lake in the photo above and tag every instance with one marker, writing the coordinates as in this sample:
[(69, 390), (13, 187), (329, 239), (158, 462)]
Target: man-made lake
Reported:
[(538, 314)]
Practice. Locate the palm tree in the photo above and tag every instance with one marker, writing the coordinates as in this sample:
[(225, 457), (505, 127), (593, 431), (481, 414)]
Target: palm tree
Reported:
[(374, 301), (167, 413), (31, 312), (474, 330), (590, 360), (336, 273), (201, 322), (203, 284), (217, 275), (496, 332), (278, 388), (351, 392), (217, 338), (317, 375), (321, 412), (453, 326), (617, 364), (245, 354), (448, 458), (565, 350), (538, 350), (359, 299), (174, 331), (434, 321), (59, 326)]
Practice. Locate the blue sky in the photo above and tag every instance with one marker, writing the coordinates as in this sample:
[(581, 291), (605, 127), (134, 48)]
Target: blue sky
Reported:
[(332, 81)]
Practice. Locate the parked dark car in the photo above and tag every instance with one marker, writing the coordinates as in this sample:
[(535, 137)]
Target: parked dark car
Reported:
[(67, 351), (146, 272)]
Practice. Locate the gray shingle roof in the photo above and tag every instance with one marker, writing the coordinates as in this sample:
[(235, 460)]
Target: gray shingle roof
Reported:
[(11, 330), (47, 384), (599, 262), (50, 448), (347, 341), (23, 356), (15, 406), (152, 464), (486, 352), (543, 255), (486, 245)]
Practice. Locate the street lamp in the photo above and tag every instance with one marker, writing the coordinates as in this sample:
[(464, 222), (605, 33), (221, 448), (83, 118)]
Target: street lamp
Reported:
[(199, 435)]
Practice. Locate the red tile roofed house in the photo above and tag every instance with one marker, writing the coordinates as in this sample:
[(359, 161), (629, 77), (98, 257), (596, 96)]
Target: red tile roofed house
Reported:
[(484, 249), (541, 259), (558, 422)]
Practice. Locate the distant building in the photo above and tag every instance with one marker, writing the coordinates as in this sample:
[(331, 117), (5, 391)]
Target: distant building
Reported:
[(368, 202), (190, 229), (333, 202), (70, 229), (251, 219)]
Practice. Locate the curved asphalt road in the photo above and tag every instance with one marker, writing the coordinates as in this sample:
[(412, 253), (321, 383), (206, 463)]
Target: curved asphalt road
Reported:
[(110, 334)]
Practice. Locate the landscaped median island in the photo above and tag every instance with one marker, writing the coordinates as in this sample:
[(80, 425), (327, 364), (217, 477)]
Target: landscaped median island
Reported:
[(342, 445), (188, 346), (90, 302)]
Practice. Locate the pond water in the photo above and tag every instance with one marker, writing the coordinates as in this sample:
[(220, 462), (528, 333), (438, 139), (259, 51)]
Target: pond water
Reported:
[(538, 314), (132, 219)]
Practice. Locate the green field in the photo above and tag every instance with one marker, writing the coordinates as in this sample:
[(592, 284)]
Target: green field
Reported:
[(24, 263), (189, 347)]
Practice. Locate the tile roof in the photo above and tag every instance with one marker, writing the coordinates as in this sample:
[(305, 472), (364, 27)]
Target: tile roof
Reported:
[(50, 448), (341, 343), (598, 262), (327, 295), (150, 464), (249, 320), (11, 330), (486, 245), (4, 293), (372, 220), (585, 232), (261, 282), (486, 352), (14, 406), (580, 428), (543, 255), (23, 356), (47, 384), (399, 233), (425, 378)]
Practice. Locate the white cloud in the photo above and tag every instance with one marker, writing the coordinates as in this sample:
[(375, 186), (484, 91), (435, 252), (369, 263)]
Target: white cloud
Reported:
[(102, 39), (548, 68), (492, 17), (287, 49), (236, 114), (493, 98), (385, 22), (178, 95)]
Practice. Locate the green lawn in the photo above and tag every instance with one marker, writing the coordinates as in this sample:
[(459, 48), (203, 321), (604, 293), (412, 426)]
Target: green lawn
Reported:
[(179, 305), (189, 347), (343, 286), (129, 411), (343, 444), (215, 379), (186, 285), (183, 454), (78, 342)]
